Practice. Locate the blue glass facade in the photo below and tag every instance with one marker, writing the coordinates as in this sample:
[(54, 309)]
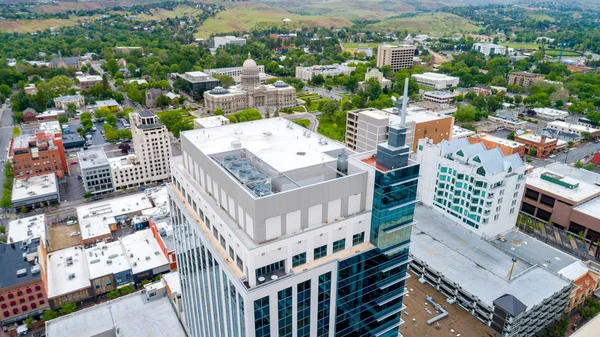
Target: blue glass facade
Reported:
[(324, 305), (262, 324), (303, 304), (371, 285), (284, 312)]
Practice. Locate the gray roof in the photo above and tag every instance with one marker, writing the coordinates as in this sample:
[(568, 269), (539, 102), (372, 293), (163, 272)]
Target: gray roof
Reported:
[(492, 160), (31, 110), (146, 113), (11, 261), (510, 304), (74, 60)]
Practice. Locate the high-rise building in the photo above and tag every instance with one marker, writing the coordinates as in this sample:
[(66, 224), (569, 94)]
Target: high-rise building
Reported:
[(152, 146), (478, 188), (281, 232), (96, 172), (396, 56)]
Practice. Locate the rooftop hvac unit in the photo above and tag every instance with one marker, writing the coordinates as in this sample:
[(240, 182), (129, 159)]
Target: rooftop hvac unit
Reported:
[(130, 255), (135, 264), (108, 261), (71, 276), (147, 258)]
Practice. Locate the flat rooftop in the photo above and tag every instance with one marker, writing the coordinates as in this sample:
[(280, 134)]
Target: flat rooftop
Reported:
[(89, 78), (52, 126), (95, 218), (509, 119), (458, 132), (67, 271), (476, 265), (165, 230), (106, 259), (92, 158), (439, 94), (211, 122), (570, 126), (591, 208), (589, 182), (30, 227), (143, 251), (15, 268), (414, 114), (172, 280), (34, 187), (434, 76), (107, 103), (551, 112), (532, 137), (498, 140), (132, 315)]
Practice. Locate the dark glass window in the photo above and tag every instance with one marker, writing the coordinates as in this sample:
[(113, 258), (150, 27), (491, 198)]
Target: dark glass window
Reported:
[(324, 305), (531, 194), (299, 259), (339, 245), (262, 324), (320, 252), (357, 239), (270, 269), (284, 312), (303, 298)]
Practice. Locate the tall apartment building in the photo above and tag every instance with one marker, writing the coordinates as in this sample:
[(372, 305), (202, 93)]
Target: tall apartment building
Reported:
[(96, 172), (38, 154), (488, 49), (366, 128), (152, 148), (281, 232), (396, 56), (478, 188), (523, 78)]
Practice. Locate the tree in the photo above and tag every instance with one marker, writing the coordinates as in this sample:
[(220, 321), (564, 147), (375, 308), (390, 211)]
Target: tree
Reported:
[(328, 108), (134, 93), (23, 209), (219, 112), (2, 229), (587, 136), (511, 136), (163, 101), (589, 167), (578, 164), (68, 308), (112, 66), (111, 295), (318, 80), (245, 115), (112, 120), (110, 134), (29, 322), (49, 315), (532, 151), (62, 119), (468, 126), (126, 290), (226, 80), (465, 113), (87, 195)]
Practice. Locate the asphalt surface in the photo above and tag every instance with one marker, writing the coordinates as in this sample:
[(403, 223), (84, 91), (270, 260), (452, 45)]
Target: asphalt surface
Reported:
[(333, 94), (5, 135), (574, 154), (314, 122)]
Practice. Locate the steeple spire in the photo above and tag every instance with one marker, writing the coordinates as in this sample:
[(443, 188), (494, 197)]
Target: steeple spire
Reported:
[(249, 56)]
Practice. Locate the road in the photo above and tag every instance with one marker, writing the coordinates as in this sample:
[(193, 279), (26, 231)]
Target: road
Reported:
[(333, 94), (5, 134), (574, 154), (314, 122)]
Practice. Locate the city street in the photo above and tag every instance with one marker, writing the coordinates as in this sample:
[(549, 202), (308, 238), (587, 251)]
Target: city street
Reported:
[(574, 154), (5, 134), (333, 94)]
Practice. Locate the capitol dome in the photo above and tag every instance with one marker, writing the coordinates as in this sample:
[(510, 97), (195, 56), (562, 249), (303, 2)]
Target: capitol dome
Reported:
[(250, 73)]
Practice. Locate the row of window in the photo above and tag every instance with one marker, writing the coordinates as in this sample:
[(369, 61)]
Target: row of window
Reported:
[(23, 308), (319, 252)]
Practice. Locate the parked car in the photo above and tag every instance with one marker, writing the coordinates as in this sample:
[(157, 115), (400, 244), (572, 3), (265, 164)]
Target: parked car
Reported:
[(552, 156), (75, 233), (71, 223), (74, 163)]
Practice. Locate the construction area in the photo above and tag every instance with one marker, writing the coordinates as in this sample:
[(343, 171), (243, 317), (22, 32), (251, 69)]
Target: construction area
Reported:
[(458, 322), (61, 236)]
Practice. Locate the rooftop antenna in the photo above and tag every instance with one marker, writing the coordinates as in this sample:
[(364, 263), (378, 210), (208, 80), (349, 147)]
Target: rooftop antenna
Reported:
[(404, 102)]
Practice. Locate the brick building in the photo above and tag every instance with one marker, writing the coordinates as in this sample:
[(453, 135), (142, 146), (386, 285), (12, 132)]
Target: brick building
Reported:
[(523, 78), (38, 154), (507, 146), (544, 146)]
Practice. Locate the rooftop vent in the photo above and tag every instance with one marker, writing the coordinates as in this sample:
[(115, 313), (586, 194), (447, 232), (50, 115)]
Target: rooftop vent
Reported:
[(22, 272), (147, 258), (71, 276)]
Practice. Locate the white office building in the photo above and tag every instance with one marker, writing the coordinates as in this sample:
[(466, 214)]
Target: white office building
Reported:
[(436, 81), (478, 188), (278, 232), (488, 49), (307, 73), (221, 41)]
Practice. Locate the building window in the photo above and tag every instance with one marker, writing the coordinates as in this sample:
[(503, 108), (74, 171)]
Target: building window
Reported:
[(320, 252), (270, 269), (303, 298), (357, 239), (262, 323), (481, 171), (324, 305), (299, 259), (284, 312), (339, 245)]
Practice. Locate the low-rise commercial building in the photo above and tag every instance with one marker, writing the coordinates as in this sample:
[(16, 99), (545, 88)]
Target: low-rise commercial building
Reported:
[(396, 56), (307, 73), (549, 113), (567, 196), (439, 97), (475, 187), (109, 267), (109, 103), (163, 234), (542, 145), (508, 122), (22, 293), (38, 154), (523, 78), (173, 287), (96, 172), (221, 41), (27, 229), (458, 132), (195, 83), (365, 128), (210, 122), (49, 115), (514, 297), (507, 146), (572, 128), (145, 255), (436, 80), (88, 81), (34, 192), (67, 277), (488, 49), (62, 102)]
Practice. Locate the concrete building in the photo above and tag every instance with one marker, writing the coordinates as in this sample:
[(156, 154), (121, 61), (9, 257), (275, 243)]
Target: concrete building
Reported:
[(27, 229), (508, 122), (302, 267), (375, 73), (67, 277), (195, 83), (21, 288), (62, 102), (109, 267), (173, 288), (488, 49), (307, 73), (96, 172), (34, 192), (108, 103), (236, 73), (543, 145), (516, 299), (396, 56), (141, 314), (221, 41), (88, 81), (366, 128), (127, 50), (572, 128), (477, 188), (549, 113), (74, 62), (163, 234), (458, 132), (436, 80), (152, 148), (507, 146), (210, 122), (38, 154), (49, 115), (250, 93), (145, 255), (99, 219), (566, 195), (439, 97), (523, 78), (151, 96)]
